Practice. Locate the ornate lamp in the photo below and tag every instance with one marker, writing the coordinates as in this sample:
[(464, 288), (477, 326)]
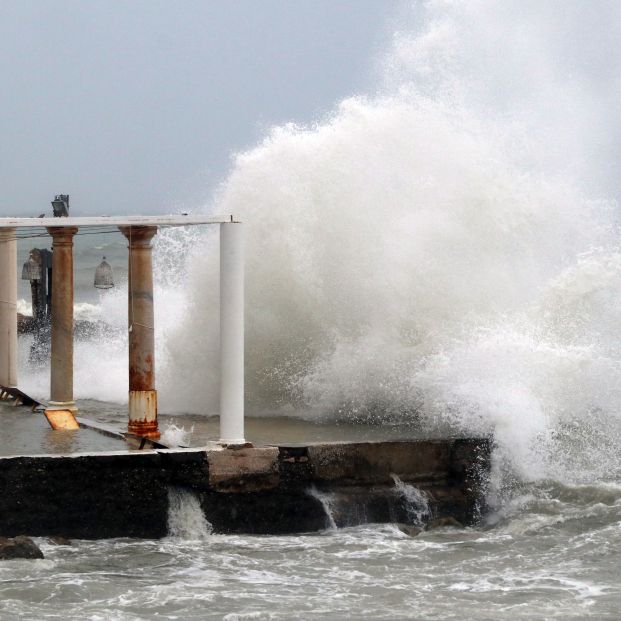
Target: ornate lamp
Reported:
[(103, 276), (31, 269)]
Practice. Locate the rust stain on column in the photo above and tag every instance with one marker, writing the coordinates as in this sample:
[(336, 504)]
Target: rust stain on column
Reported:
[(142, 393), (61, 394)]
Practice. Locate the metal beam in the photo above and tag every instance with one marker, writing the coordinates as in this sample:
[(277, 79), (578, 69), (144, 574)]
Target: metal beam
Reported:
[(102, 221)]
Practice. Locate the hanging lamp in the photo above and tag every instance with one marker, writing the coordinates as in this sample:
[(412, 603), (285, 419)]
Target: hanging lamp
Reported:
[(103, 276)]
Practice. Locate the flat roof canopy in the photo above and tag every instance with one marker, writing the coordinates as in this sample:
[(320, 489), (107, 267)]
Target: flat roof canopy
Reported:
[(99, 221)]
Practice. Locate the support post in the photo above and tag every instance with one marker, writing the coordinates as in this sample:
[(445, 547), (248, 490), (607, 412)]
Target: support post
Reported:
[(231, 333), (61, 392), (8, 308), (142, 393)]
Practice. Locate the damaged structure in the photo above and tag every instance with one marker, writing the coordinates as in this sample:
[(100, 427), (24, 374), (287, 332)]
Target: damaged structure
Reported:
[(241, 488), (139, 231), (267, 490)]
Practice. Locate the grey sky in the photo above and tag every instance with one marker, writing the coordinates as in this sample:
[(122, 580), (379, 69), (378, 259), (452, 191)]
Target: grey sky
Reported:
[(137, 106)]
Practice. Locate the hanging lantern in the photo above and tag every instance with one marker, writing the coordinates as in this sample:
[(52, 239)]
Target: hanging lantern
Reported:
[(103, 276), (31, 270)]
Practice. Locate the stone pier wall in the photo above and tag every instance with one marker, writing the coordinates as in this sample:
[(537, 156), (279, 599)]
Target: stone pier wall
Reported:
[(267, 490)]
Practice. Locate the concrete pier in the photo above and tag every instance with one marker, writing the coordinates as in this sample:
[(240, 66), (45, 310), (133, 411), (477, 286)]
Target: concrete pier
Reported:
[(8, 308), (142, 393), (266, 490), (61, 390)]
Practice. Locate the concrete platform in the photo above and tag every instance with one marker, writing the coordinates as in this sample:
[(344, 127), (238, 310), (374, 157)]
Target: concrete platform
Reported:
[(266, 490), (28, 433)]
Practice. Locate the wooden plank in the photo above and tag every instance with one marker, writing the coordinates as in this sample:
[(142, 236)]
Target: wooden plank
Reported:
[(21, 398)]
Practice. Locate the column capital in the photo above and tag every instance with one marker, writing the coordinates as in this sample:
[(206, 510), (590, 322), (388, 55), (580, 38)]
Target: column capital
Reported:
[(7, 235), (139, 236), (62, 235)]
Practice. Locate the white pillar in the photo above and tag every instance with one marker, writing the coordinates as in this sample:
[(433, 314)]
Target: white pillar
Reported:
[(8, 308), (231, 333)]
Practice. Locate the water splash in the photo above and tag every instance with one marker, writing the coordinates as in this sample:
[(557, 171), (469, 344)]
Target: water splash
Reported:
[(443, 248), (175, 435), (425, 252), (326, 500), (416, 502), (185, 516)]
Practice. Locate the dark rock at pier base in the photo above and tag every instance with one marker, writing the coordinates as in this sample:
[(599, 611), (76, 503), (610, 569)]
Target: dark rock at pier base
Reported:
[(19, 547), (57, 540), (444, 522), (268, 490), (408, 529)]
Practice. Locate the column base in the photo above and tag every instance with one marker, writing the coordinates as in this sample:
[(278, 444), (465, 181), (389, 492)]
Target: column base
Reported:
[(235, 445), (62, 405), (143, 413), (63, 420)]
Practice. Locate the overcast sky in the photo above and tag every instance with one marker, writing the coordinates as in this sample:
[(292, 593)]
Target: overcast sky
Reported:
[(137, 106)]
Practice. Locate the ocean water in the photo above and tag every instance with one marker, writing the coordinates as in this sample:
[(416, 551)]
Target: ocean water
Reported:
[(552, 553), (440, 253)]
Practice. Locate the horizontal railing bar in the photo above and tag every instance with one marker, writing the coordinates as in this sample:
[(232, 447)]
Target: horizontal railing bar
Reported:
[(100, 221)]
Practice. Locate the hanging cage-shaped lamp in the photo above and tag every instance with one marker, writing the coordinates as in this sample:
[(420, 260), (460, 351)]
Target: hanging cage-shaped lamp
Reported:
[(103, 276), (31, 270)]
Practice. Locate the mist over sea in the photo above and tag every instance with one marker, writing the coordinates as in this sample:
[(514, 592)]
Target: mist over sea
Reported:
[(442, 252)]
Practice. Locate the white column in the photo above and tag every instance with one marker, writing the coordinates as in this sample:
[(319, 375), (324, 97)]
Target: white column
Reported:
[(231, 333), (8, 308)]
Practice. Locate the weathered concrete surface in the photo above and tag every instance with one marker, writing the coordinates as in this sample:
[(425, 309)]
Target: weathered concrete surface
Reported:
[(243, 470), (88, 497), (265, 490), (359, 476)]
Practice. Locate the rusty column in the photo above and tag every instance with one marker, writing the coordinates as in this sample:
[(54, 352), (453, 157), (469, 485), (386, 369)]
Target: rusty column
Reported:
[(8, 308), (61, 395), (142, 393)]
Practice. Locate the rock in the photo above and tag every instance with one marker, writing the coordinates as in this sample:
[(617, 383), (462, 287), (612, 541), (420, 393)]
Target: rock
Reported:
[(444, 521), (59, 541), (408, 529), (19, 547)]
